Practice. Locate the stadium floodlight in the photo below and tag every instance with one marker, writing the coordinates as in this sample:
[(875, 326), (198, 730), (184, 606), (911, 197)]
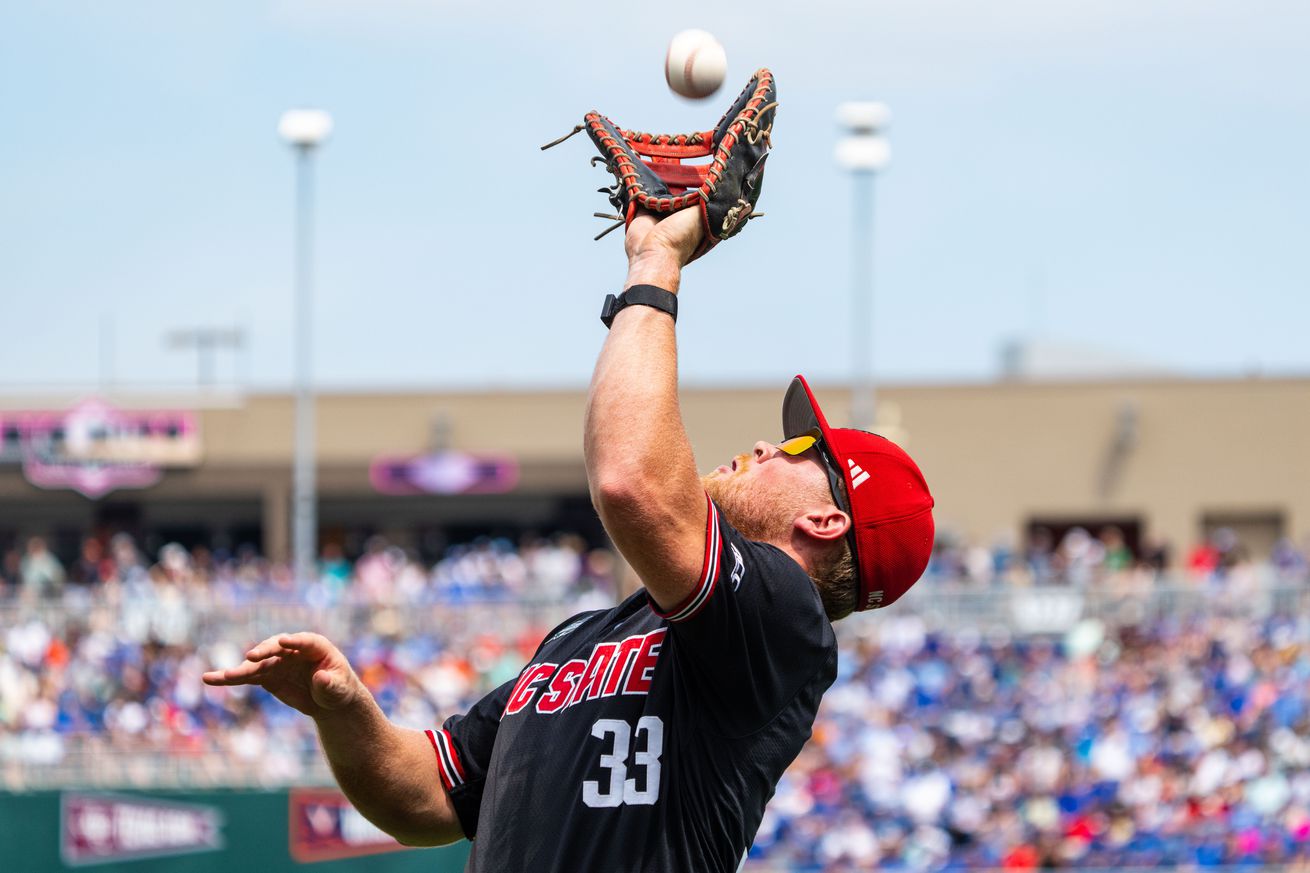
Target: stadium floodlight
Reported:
[(868, 154), (864, 148), (304, 130), (864, 116), (205, 340), (864, 151)]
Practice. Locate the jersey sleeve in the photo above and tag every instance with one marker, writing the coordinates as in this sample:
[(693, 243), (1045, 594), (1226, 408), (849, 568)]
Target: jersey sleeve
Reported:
[(752, 632), (462, 745), (462, 748)]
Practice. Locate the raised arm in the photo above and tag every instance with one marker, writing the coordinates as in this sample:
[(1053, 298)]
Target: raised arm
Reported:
[(640, 467), (388, 772)]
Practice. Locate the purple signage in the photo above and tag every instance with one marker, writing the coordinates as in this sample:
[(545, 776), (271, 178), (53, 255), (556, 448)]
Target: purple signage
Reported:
[(90, 478), (445, 473), (98, 828)]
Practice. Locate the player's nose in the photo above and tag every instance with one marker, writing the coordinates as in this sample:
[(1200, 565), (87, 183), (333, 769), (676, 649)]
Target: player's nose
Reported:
[(764, 450)]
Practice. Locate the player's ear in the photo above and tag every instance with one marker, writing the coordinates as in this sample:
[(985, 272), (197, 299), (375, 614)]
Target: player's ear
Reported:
[(823, 523)]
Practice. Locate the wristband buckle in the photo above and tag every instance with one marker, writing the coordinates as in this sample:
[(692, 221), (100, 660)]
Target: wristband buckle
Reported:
[(639, 295)]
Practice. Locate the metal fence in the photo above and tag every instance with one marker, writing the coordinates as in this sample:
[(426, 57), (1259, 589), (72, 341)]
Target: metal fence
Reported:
[(87, 763), (1127, 599), (943, 604), (185, 620)]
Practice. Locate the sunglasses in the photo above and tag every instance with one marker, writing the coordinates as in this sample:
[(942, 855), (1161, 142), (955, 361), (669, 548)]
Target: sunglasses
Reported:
[(801, 444)]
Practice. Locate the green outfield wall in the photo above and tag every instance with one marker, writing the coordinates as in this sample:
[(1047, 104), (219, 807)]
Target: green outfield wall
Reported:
[(202, 832)]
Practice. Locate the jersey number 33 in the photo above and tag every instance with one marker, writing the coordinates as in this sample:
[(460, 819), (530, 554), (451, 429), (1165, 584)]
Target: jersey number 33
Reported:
[(641, 788)]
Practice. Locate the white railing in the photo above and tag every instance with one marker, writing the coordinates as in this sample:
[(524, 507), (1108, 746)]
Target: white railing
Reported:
[(84, 762), (942, 603), (1117, 601), (189, 621)]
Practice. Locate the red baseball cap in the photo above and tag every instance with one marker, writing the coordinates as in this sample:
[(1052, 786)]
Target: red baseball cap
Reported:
[(886, 497)]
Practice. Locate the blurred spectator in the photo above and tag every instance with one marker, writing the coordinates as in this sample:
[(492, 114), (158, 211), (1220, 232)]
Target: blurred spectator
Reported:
[(1155, 555), (1115, 554), (334, 570), (89, 569), (1079, 556), (1040, 559), (1287, 560), (11, 572), (42, 574), (1204, 558), (1002, 556)]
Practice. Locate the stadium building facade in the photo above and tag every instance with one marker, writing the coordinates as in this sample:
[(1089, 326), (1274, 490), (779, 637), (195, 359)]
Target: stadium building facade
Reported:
[(1161, 459)]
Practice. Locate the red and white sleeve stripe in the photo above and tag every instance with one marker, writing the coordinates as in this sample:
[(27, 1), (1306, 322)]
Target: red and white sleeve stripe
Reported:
[(448, 765), (709, 576)]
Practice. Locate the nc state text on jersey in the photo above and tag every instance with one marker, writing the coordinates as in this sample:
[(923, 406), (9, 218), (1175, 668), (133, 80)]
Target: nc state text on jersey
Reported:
[(624, 667)]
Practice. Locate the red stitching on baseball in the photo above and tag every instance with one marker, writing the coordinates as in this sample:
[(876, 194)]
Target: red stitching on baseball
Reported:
[(686, 69)]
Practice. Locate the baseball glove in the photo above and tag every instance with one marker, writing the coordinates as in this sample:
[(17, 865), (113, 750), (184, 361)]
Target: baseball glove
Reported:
[(650, 173)]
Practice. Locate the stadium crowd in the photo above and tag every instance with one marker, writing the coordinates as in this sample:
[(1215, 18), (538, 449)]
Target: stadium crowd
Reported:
[(554, 568), (1169, 740), (101, 661), (1174, 743), (1080, 558)]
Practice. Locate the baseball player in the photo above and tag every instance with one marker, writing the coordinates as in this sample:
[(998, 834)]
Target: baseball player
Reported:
[(650, 736)]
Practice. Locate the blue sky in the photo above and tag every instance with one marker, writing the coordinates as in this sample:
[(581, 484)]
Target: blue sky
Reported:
[(1124, 174)]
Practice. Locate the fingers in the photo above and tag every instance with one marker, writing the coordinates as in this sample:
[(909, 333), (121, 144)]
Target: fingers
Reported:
[(266, 649), (266, 655), (642, 221), (308, 645), (246, 673)]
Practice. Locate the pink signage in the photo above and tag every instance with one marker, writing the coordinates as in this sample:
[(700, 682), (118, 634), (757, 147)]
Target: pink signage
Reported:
[(95, 448), (97, 828)]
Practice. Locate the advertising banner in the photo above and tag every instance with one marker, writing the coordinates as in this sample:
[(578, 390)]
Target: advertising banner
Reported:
[(324, 827), (217, 831), (95, 448), (96, 828), (444, 473)]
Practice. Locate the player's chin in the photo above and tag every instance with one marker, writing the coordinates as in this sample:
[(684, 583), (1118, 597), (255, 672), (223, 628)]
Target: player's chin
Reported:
[(721, 487)]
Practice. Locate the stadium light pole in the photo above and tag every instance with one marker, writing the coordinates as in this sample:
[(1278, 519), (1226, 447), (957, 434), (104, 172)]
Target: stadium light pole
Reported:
[(206, 341), (304, 130), (864, 152)]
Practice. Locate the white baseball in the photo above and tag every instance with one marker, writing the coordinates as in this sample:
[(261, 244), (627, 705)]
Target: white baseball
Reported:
[(695, 65)]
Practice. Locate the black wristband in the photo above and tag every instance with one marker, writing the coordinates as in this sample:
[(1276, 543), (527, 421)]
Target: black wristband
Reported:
[(639, 295)]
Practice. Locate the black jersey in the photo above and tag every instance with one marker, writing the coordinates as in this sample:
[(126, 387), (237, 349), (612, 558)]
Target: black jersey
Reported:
[(638, 740)]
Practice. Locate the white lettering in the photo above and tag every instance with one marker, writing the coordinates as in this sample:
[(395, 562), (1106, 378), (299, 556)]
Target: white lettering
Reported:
[(143, 828), (359, 831)]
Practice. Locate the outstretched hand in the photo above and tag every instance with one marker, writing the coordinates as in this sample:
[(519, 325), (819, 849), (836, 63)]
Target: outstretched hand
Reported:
[(303, 670)]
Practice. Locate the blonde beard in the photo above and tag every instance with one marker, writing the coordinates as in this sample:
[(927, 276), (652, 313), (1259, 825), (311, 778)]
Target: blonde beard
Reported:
[(763, 517)]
